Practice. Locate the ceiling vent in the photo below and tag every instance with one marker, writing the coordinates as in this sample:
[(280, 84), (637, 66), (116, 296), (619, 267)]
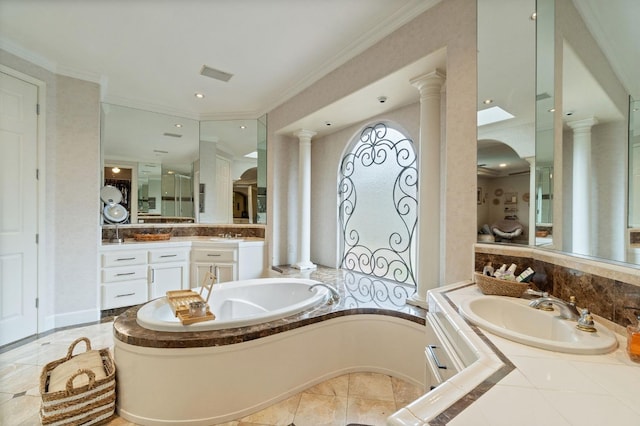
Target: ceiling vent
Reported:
[(215, 74), (173, 135)]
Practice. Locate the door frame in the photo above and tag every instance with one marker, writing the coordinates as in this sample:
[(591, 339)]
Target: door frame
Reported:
[(44, 322)]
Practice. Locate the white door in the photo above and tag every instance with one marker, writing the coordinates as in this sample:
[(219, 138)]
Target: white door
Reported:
[(18, 209)]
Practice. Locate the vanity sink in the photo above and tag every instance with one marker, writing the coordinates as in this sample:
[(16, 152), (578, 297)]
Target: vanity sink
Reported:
[(515, 320), (227, 240)]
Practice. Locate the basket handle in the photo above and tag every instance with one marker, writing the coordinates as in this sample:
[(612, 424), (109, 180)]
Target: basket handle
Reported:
[(73, 346), (89, 373)]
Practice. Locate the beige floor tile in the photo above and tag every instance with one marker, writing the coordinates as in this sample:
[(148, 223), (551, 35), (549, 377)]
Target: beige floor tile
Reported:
[(17, 411), (369, 411), (119, 421), (281, 413), (4, 397), (371, 386), (338, 386), (321, 410), (22, 378), (405, 392)]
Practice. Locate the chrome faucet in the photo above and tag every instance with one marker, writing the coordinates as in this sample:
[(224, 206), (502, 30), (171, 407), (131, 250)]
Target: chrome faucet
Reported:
[(335, 297), (567, 310)]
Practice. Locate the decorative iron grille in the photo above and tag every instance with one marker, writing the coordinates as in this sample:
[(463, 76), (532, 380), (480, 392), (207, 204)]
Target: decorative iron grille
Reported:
[(378, 205)]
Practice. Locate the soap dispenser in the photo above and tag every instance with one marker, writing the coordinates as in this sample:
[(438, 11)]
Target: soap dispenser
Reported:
[(633, 340)]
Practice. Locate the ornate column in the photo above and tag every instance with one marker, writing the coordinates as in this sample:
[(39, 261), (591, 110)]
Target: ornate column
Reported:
[(581, 194), (304, 200), (429, 189)]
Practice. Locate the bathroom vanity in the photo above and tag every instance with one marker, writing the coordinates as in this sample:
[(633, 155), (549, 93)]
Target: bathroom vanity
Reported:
[(135, 272)]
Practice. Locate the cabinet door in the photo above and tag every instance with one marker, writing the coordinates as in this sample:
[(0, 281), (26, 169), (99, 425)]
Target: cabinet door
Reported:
[(226, 272), (164, 278)]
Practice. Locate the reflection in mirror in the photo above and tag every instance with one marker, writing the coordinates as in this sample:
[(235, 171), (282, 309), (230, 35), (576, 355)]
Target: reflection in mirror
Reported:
[(160, 151), (173, 168), (634, 163), (594, 135), (229, 171), (545, 113), (506, 120)]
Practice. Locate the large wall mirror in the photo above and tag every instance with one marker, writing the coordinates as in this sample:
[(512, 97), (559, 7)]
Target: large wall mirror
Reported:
[(583, 187), (176, 170)]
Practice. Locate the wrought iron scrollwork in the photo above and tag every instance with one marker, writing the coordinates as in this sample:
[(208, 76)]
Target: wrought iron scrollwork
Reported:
[(376, 146)]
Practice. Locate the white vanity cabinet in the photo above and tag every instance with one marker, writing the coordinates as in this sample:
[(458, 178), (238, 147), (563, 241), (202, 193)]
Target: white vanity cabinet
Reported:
[(131, 274), (168, 270), (123, 278), (235, 260), (204, 259)]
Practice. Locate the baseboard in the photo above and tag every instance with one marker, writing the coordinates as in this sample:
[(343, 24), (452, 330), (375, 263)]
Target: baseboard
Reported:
[(78, 317)]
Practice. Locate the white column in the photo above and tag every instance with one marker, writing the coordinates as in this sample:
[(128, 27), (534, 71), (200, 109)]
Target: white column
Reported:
[(304, 200), (429, 222), (581, 193)]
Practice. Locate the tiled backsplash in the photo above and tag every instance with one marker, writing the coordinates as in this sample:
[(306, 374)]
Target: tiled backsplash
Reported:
[(127, 231), (603, 288)]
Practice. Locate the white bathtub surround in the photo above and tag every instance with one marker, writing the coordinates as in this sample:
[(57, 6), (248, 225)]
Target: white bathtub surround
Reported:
[(582, 175), (239, 304), (429, 226), (304, 200), (242, 378)]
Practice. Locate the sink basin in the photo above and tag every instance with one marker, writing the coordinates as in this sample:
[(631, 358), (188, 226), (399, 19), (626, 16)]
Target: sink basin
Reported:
[(226, 240), (515, 320)]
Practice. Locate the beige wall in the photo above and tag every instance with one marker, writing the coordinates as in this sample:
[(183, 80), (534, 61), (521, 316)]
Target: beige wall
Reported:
[(450, 24), (68, 294)]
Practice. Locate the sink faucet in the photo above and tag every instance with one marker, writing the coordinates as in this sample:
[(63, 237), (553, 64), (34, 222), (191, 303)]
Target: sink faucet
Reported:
[(568, 310), (334, 293)]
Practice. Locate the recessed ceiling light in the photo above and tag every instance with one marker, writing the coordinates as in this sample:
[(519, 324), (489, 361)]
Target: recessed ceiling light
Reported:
[(568, 113), (243, 127), (170, 172), (116, 170), (533, 16), (327, 123), (552, 110), (487, 101), (503, 164), (178, 125), (253, 154), (199, 95)]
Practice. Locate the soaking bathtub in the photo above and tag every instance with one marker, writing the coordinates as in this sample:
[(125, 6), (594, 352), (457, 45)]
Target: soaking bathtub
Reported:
[(239, 304)]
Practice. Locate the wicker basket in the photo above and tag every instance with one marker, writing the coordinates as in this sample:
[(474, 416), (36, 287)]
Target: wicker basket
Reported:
[(498, 287), (151, 237), (89, 404)]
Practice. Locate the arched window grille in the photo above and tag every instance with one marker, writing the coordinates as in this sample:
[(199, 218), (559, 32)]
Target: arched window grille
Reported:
[(378, 187)]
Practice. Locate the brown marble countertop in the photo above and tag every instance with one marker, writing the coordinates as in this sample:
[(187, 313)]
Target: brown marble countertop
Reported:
[(359, 294)]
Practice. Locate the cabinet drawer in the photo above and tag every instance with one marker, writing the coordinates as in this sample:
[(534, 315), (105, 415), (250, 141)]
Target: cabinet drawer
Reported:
[(128, 293), (214, 256), (168, 255), (118, 258), (127, 273)]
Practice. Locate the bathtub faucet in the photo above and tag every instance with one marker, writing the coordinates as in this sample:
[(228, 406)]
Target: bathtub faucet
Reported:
[(335, 297)]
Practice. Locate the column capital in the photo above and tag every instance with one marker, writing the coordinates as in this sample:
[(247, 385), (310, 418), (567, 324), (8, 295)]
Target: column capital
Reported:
[(303, 134), (583, 125), (429, 83)]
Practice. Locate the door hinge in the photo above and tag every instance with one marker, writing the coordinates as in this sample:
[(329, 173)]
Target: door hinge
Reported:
[(37, 302), (37, 174), (37, 109), (37, 238)]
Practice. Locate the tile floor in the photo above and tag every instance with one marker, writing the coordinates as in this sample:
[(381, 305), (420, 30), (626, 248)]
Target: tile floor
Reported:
[(358, 398)]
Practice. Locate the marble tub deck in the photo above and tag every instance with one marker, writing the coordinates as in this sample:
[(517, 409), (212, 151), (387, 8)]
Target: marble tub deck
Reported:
[(359, 294)]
